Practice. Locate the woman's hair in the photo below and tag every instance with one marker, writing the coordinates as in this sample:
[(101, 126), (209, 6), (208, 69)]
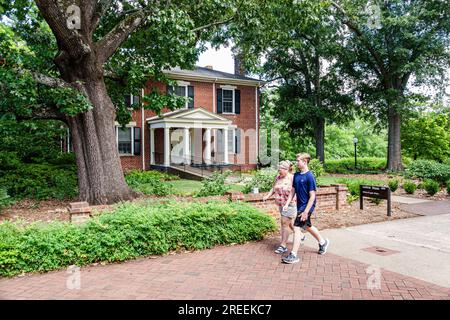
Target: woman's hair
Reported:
[(287, 165)]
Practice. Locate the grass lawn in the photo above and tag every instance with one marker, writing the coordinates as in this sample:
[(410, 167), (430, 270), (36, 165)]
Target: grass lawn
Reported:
[(189, 187)]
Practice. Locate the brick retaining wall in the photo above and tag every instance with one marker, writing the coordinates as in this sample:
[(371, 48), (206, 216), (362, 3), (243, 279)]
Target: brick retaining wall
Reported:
[(329, 198)]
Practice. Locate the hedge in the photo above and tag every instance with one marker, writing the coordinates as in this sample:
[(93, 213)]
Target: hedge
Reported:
[(132, 230), (347, 165)]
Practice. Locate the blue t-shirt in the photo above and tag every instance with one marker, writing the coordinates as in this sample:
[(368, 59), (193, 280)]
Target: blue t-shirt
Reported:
[(303, 183)]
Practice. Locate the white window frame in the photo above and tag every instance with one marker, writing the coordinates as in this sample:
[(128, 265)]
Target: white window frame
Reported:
[(232, 102), (132, 140), (131, 100)]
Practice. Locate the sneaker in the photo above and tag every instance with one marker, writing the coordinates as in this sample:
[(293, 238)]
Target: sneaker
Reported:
[(291, 258), (323, 248), (281, 249)]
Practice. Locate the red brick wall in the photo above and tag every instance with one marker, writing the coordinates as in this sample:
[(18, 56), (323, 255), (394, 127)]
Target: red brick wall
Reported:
[(203, 97)]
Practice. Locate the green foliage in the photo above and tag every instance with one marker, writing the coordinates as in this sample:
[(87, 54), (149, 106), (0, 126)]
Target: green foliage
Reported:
[(428, 169), (137, 177), (427, 136), (215, 185), (40, 181), (431, 187), (5, 199), (263, 180), (151, 182), (316, 167), (393, 184), (409, 186), (448, 186), (347, 165), (131, 231), (354, 184)]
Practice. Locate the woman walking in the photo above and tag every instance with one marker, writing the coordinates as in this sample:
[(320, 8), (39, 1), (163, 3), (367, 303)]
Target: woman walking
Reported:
[(282, 189)]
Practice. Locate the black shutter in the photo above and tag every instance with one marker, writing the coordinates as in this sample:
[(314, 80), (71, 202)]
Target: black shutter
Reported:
[(238, 141), (137, 141), (219, 100), (237, 101), (191, 97), (169, 89), (128, 101)]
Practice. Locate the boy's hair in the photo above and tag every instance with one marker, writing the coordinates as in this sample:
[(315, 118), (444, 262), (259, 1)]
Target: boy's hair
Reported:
[(304, 156)]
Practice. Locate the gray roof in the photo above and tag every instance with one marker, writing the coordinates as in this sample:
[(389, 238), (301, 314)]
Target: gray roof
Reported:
[(206, 72)]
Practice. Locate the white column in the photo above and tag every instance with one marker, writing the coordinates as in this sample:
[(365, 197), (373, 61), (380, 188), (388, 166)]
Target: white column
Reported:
[(166, 147), (186, 149), (225, 145), (208, 146), (152, 146)]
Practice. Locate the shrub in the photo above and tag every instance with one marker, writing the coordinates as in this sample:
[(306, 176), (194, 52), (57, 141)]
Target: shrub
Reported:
[(428, 169), (137, 177), (448, 186), (41, 181), (263, 180), (347, 165), (354, 184), (316, 167), (393, 184), (5, 199), (215, 185), (155, 187), (432, 187), (410, 187), (133, 230)]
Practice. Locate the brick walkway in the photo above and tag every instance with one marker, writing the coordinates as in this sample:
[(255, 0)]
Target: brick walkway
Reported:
[(249, 271)]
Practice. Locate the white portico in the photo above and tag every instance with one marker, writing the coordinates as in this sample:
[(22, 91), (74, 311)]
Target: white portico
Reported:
[(189, 136)]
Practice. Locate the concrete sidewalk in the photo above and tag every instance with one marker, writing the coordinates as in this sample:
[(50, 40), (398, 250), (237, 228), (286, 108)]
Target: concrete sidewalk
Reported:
[(417, 247), (254, 271)]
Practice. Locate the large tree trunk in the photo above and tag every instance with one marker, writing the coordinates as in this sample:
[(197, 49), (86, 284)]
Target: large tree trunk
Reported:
[(319, 136), (100, 174), (394, 160)]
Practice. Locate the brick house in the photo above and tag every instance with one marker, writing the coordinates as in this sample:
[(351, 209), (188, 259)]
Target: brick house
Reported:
[(218, 127)]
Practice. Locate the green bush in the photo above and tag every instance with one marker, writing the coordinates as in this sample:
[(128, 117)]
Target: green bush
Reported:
[(316, 167), (215, 185), (432, 187), (347, 165), (137, 177), (428, 169), (393, 184), (354, 184), (448, 186), (5, 199), (263, 180), (155, 187), (132, 230), (410, 187), (40, 181)]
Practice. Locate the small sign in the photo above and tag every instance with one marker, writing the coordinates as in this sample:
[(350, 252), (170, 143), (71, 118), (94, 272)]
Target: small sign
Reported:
[(378, 192)]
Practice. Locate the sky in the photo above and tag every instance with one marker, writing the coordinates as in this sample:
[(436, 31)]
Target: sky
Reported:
[(221, 60)]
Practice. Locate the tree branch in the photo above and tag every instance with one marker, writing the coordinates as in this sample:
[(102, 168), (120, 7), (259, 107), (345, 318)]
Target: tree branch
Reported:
[(46, 80), (68, 39), (110, 42), (43, 112), (376, 56)]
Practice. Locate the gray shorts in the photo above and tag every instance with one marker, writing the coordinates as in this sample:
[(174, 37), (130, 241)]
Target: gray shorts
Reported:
[(291, 211)]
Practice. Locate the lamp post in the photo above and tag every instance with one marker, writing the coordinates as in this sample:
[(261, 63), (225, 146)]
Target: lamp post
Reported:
[(355, 141)]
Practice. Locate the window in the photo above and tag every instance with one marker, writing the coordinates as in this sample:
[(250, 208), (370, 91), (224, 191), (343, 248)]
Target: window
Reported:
[(131, 99), (182, 92), (227, 101), (124, 140)]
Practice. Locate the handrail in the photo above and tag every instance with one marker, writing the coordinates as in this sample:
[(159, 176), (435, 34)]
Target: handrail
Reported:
[(220, 165)]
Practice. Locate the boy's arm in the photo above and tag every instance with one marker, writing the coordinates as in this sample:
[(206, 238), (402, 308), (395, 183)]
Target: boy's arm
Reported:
[(312, 197)]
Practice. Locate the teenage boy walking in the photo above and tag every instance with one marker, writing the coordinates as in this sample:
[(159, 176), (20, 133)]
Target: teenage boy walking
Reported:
[(304, 186)]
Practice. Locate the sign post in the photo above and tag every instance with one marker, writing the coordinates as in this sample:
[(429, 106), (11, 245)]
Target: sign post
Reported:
[(375, 192)]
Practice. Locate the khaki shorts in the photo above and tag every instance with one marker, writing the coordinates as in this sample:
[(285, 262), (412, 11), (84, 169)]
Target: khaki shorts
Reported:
[(291, 211)]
